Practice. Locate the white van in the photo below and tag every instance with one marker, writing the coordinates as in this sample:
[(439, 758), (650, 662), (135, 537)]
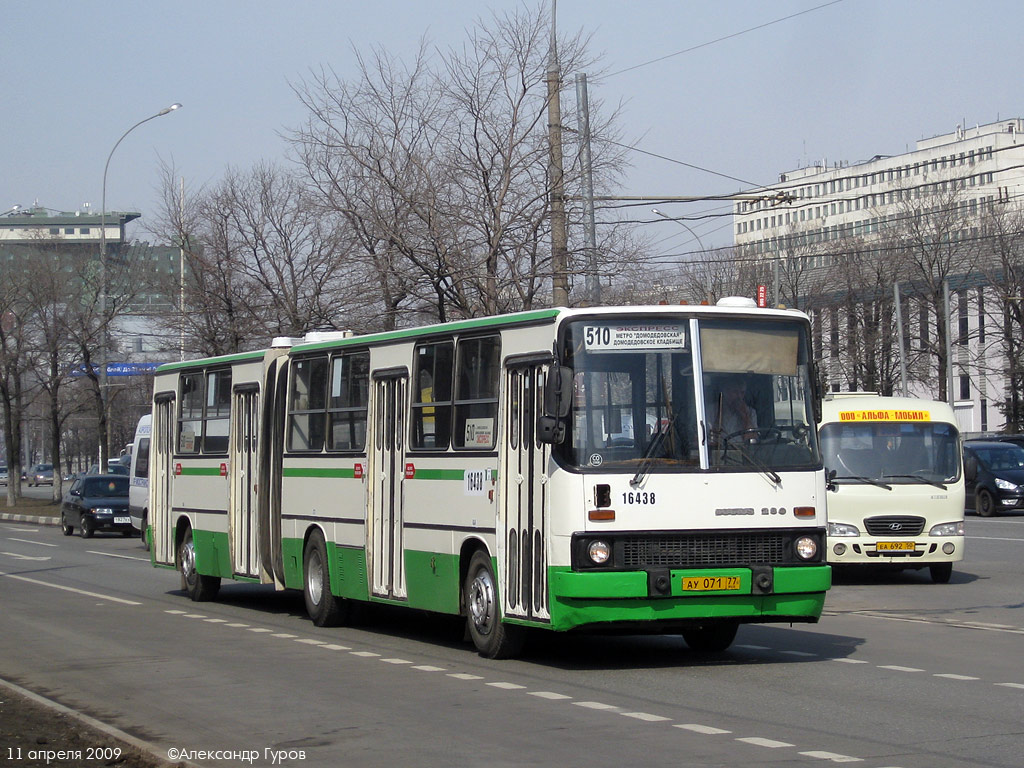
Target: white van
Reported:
[(138, 489), (895, 482)]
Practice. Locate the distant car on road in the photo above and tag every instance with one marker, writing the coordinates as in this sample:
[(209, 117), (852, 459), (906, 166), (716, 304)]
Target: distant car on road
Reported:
[(994, 473), (41, 474), (96, 503), (3, 475)]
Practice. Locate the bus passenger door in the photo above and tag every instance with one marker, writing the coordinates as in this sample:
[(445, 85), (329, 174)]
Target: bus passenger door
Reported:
[(161, 480), (387, 471), (523, 521), (242, 469)]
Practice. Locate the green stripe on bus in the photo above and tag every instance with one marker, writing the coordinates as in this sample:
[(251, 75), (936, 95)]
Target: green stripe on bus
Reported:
[(440, 474), (318, 472), (201, 471)]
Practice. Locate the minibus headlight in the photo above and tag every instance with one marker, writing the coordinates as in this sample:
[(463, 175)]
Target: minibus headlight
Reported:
[(842, 529), (947, 529), (599, 552), (806, 547)]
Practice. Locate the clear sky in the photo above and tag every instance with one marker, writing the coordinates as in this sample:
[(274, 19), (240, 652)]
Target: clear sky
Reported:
[(843, 82)]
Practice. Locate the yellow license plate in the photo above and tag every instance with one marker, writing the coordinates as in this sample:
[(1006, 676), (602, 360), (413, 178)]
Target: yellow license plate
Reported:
[(895, 546), (710, 583)]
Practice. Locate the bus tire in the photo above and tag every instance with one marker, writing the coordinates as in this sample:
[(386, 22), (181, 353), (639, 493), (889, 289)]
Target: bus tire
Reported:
[(198, 587), (493, 638), (324, 607), (984, 504), (711, 638), (142, 533), (941, 572)]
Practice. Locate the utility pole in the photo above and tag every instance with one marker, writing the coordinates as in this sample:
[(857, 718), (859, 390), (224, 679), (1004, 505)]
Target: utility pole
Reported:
[(559, 239), (900, 338), (589, 225)]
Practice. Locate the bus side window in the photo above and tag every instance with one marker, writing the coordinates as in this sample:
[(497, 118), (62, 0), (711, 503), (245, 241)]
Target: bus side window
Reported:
[(432, 396), (307, 405), (476, 401)]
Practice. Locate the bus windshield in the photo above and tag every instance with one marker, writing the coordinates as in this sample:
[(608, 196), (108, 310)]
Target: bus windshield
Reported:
[(642, 395), (891, 452)]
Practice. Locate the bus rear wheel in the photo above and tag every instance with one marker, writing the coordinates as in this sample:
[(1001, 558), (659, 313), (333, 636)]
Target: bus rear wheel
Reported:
[(324, 607), (493, 638), (198, 587), (711, 638)]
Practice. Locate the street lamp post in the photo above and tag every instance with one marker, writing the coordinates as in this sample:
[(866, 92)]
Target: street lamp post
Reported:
[(695, 237), (105, 432)]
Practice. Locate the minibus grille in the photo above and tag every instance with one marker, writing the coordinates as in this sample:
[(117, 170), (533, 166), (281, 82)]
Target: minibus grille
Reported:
[(695, 550), (894, 525)]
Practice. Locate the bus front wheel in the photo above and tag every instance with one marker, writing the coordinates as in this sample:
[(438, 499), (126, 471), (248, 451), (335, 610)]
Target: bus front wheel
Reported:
[(941, 572), (711, 638), (493, 638), (324, 607), (198, 587)]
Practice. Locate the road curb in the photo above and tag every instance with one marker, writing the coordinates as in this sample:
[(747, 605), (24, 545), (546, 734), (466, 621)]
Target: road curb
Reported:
[(117, 733), (34, 519)]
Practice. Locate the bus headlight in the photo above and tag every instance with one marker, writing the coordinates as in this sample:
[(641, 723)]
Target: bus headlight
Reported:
[(599, 552), (842, 529), (806, 547), (947, 529)]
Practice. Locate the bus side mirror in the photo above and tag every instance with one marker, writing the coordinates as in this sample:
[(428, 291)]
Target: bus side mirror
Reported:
[(557, 400), (970, 468)]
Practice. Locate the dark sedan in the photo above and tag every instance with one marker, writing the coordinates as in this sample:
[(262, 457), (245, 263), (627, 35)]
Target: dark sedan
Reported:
[(995, 476), (96, 503)]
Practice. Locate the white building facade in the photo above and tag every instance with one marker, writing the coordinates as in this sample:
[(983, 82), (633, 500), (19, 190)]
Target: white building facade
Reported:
[(827, 209)]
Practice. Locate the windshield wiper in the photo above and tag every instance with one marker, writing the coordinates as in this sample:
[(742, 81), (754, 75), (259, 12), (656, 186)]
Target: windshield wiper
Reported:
[(648, 458), (869, 480), (918, 479), (759, 465)]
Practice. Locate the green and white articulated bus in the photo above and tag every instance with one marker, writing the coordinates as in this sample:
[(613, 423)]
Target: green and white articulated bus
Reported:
[(559, 469), (896, 485)]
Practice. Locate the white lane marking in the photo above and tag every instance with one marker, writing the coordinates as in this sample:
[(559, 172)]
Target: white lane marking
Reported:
[(16, 556), (335, 647), (120, 557), (833, 757), (311, 641), (549, 695), (507, 686), (697, 728), (428, 668), (283, 635), (594, 705), (897, 668), (259, 629), (175, 612), (985, 625), (194, 615), (851, 661), (70, 589), (647, 718), (1011, 685), (216, 621), (757, 741), (237, 625), (951, 676), (396, 661), (37, 543), (464, 676), (366, 654)]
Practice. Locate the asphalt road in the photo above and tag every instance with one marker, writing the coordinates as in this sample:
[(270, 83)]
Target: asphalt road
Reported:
[(900, 673)]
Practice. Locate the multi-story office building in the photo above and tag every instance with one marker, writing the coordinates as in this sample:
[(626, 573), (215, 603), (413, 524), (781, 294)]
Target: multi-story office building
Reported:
[(817, 216)]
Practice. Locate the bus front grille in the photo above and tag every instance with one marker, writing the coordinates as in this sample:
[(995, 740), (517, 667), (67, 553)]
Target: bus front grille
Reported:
[(697, 550), (894, 525)]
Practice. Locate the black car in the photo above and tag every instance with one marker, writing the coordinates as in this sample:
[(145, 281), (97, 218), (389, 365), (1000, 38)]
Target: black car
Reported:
[(1002, 437), (994, 473), (96, 503)]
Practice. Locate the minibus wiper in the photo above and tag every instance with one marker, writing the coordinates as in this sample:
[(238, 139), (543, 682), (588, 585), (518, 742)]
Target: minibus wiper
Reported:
[(868, 480), (918, 479)]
